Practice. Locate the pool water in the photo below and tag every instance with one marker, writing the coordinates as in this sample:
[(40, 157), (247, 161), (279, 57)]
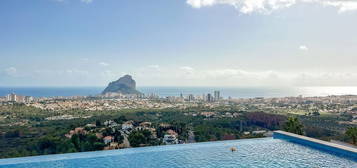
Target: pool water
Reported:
[(262, 152)]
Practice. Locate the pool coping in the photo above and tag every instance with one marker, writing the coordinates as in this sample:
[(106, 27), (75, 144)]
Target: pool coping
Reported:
[(316, 143)]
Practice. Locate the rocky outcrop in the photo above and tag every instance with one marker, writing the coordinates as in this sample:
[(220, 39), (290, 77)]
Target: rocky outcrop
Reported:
[(124, 85)]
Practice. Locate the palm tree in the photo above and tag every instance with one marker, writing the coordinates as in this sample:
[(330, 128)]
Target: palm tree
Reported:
[(352, 133), (294, 126)]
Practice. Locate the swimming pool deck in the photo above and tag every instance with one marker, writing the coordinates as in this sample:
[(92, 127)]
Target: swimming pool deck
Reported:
[(316, 143)]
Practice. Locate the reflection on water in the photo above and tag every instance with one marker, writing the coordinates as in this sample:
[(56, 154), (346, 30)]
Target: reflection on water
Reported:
[(326, 91)]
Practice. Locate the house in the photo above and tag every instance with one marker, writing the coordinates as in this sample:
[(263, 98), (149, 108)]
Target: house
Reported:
[(170, 139), (236, 114), (171, 132), (110, 123), (246, 133), (165, 125), (153, 132), (70, 134), (79, 130), (140, 128), (127, 126), (91, 125), (228, 115), (114, 145), (208, 114), (108, 139), (354, 118), (145, 124), (99, 135)]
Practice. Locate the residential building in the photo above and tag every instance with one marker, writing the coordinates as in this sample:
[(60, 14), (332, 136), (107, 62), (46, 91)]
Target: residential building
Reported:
[(209, 97), (110, 123), (108, 139), (217, 95), (11, 97), (191, 98), (127, 126), (170, 139)]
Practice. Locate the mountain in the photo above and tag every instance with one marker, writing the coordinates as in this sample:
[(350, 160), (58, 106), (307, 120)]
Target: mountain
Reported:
[(124, 85)]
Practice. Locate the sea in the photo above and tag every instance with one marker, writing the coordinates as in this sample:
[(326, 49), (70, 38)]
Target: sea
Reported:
[(233, 92)]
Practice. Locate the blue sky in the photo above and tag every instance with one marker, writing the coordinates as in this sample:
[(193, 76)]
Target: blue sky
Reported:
[(178, 42)]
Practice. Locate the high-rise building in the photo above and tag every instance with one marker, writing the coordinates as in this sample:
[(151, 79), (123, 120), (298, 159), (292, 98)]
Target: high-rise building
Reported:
[(28, 99), (191, 97), (217, 95), (11, 97), (18, 98), (209, 97), (204, 97)]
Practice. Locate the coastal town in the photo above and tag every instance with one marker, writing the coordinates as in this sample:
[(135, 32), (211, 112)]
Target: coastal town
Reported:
[(116, 134), (338, 105)]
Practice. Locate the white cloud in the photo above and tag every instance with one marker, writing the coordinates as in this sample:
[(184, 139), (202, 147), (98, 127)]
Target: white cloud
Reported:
[(155, 67), (188, 71), (303, 48), (268, 6), (11, 71), (186, 68), (200, 3), (104, 64), (343, 6), (245, 6)]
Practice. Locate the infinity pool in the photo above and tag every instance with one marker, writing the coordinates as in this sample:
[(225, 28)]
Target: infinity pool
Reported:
[(262, 152)]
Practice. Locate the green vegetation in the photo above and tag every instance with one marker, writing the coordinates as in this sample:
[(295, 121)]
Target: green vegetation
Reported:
[(294, 126), (24, 131), (53, 145), (142, 138), (89, 142), (352, 133), (209, 132), (39, 136)]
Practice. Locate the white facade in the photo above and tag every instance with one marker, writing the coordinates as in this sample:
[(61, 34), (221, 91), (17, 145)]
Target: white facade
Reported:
[(170, 139)]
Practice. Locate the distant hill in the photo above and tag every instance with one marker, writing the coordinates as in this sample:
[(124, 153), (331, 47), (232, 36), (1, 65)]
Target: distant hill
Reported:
[(124, 85)]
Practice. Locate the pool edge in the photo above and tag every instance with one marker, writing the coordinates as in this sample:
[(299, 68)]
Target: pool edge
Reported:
[(329, 147)]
